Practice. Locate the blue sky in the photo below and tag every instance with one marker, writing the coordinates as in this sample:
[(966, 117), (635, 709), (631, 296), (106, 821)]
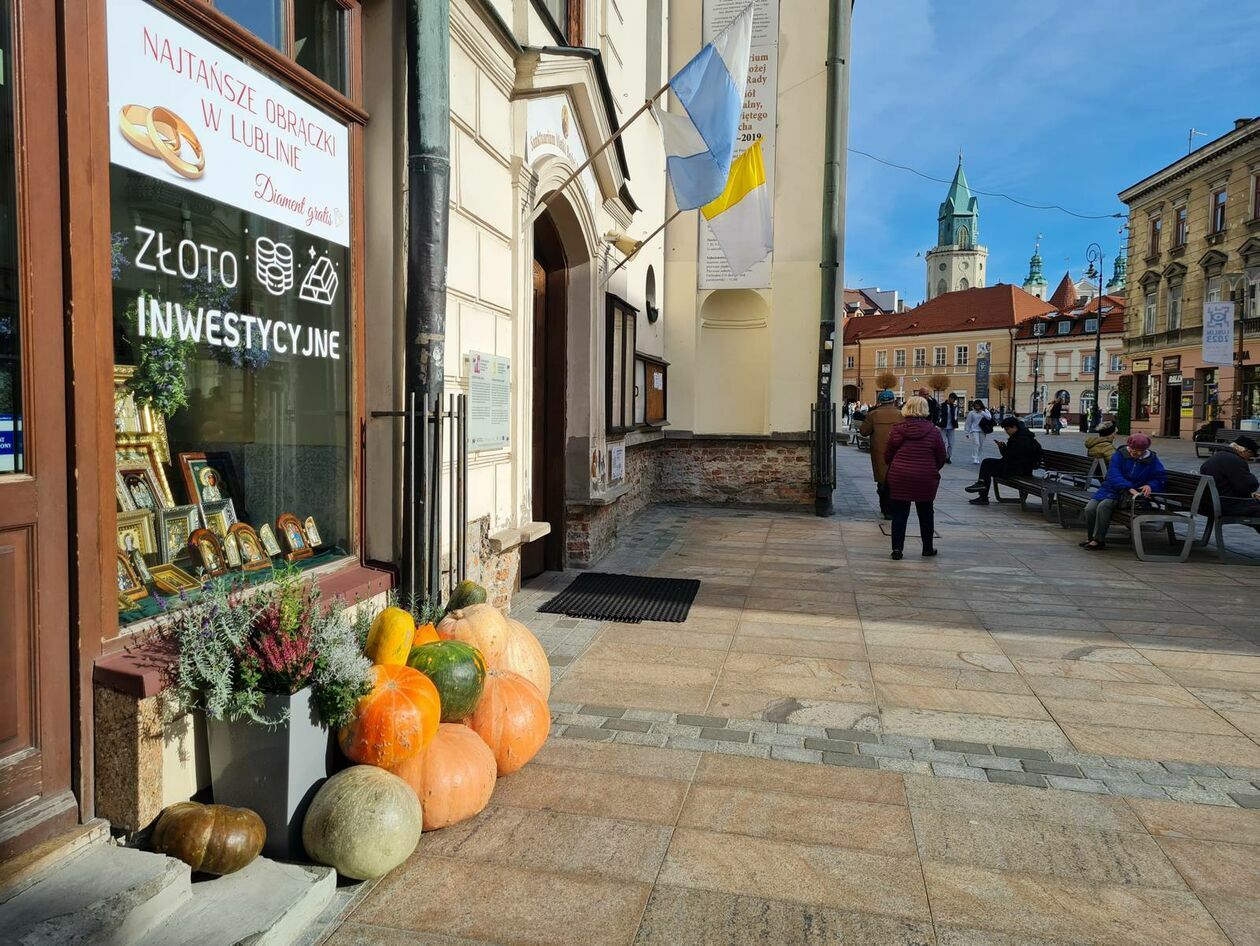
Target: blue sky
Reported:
[(1054, 102)]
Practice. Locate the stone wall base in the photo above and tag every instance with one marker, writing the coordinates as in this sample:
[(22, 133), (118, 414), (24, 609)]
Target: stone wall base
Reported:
[(498, 572), (720, 471)]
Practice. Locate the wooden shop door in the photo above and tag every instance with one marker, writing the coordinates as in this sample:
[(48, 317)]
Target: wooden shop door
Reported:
[(36, 800)]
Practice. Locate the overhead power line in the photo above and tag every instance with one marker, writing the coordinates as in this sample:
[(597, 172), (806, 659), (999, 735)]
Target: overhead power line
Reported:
[(1013, 200)]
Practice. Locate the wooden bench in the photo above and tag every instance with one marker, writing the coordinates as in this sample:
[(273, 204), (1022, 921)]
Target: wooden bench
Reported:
[(1186, 501), (1059, 473), (1224, 437)]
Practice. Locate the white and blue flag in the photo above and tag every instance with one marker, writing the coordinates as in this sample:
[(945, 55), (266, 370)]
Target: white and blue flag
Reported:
[(699, 143)]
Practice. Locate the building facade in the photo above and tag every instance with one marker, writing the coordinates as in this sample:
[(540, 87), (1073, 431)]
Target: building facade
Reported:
[(957, 262), (967, 336), (1195, 239), (1055, 358)]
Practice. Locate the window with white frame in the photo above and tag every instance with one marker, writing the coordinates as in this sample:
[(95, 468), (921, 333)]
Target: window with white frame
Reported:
[(920, 357), (1113, 401), (1087, 402), (938, 356), (1213, 293), (1091, 326), (1148, 313), (1065, 328), (881, 359), (899, 358), (1174, 306), (1117, 363), (850, 362), (962, 354), (1252, 301), (1088, 364)]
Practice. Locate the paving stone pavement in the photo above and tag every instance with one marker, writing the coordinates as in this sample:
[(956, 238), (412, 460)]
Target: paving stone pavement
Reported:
[(1015, 742)]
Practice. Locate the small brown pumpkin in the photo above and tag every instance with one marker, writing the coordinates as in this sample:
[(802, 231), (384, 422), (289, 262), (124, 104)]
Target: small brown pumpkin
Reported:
[(212, 839)]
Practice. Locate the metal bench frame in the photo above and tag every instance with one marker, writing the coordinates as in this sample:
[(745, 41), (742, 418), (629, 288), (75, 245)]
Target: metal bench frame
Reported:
[(1220, 520), (1166, 511), (1053, 481)]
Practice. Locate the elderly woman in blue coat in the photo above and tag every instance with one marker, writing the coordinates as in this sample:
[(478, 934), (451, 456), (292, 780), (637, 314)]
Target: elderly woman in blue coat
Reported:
[(1134, 471)]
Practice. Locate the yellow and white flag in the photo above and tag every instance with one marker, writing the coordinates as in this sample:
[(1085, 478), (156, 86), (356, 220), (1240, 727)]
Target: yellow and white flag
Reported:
[(740, 216)]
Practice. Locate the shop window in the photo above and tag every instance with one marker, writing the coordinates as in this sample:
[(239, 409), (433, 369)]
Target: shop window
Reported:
[(233, 349), (962, 354), (899, 358), (1142, 390), (317, 40), (619, 374), (1087, 402), (652, 390), (920, 357), (1174, 307), (11, 343), (938, 356)]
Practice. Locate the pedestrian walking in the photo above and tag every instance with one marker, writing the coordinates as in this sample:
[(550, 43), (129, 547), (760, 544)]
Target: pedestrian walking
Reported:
[(915, 454), (934, 406), (1237, 485), (1021, 454), (1056, 416), (977, 425), (877, 425), (1134, 471), (1101, 445), (947, 421)]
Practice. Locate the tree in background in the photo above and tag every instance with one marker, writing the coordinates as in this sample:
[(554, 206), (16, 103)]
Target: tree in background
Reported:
[(1000, 382)]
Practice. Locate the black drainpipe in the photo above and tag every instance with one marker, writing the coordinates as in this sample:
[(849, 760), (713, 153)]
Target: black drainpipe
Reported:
[(428, 194)]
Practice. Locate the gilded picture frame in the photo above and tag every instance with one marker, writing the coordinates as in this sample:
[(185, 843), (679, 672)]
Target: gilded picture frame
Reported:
[(268, 537), (292, 537), (171, 579), (174, 528), (129, 584), (207, 553), (219, 516), (254, 556), (209, 477), (133, 418), (135, 452), (135, 531)]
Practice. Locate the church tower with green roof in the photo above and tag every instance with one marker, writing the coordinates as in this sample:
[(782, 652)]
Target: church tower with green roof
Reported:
[(1035, 284), (958, 260)]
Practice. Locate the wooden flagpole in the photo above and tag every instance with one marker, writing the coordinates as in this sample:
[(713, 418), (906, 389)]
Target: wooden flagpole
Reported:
[(640, 245), (546, 201)]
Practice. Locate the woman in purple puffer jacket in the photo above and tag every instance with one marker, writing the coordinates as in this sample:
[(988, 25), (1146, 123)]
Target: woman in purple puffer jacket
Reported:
[(915, 455)]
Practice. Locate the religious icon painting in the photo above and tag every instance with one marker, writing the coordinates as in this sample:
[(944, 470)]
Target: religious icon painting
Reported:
[(267, 536), (129, 583), (172, 580), (252, 554), (312, 533), (175, 526), (209, 477), (219, 516), (141, 479), (293, 537), (207, 553), (135, 531)]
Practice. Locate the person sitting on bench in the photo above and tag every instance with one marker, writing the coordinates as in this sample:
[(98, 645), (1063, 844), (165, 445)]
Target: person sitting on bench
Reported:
[(1134, 471), (1021, 454), (1238, 486)]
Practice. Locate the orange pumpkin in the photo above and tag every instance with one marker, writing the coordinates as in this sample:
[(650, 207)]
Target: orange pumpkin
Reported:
[(395, 720), (480, 625), (425, 634), (523, 654), (391, 637), (512, 718), (453, 777)]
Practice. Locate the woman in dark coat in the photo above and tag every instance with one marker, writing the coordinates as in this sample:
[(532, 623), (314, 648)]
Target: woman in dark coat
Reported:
[(915, 455)]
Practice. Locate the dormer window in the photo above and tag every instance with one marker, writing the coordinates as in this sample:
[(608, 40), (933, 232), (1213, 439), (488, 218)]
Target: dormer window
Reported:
[(1065, 328)]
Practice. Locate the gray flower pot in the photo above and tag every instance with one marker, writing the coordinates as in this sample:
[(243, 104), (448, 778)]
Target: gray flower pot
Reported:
[(273, 771)]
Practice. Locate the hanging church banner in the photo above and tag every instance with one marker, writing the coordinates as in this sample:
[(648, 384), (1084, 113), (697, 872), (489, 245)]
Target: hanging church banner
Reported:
[(1218, 333), (757, 123), (982, 371)]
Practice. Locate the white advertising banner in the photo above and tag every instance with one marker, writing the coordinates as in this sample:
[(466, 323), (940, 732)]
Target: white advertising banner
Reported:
[(184, 111), (757, 123), (1218, 333)]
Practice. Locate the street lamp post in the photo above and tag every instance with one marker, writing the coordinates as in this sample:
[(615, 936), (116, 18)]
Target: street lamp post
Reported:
[(1096, 259), (1038, 330), (1236, 284)]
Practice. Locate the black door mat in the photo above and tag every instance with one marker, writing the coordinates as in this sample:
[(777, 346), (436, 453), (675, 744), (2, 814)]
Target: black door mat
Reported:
[(628, 599)]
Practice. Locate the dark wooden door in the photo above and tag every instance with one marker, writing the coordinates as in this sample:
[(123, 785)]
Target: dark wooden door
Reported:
[(533, 555), (36, 800)]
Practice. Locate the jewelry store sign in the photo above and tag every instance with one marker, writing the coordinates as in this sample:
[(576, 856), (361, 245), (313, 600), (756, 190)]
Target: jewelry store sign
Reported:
[(186, 112), (489, 401)]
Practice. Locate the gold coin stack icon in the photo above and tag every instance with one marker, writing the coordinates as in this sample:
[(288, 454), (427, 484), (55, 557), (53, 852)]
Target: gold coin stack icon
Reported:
[(160, 133)]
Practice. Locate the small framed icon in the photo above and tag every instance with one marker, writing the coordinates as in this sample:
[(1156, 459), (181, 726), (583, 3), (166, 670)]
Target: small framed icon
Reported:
[(171, 579), (312, 533), (207, 553), (130, 585), (253, 555), (175, 526), (268, 538), (293, 537), (219, 516)]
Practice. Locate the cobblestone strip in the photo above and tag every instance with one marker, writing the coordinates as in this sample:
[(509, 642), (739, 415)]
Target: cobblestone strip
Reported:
[(1193, 782)]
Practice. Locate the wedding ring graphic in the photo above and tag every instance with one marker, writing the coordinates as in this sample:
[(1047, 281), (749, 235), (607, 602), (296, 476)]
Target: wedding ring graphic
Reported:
[(160, 133), (164, 116), (132, 122)]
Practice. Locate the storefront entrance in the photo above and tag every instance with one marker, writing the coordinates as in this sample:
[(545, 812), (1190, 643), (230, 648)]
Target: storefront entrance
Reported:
[(548, 407), (1172, 402), (36, 800)]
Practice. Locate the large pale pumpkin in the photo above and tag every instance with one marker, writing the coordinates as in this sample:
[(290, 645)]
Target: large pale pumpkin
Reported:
[(453, 778), (512, 718), (363, 821), (391, 637), (213, 839), (395, 720), (523, 654), (480, 625)]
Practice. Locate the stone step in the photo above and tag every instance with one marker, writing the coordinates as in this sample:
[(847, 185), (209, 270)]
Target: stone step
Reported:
[(28, 868), (108, 895), (266, 904)]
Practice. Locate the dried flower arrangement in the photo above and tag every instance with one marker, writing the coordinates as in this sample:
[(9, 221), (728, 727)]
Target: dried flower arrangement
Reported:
[(236, 648)]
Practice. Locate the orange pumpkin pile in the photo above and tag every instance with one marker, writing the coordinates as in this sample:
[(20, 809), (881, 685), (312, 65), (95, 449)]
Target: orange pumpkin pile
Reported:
[(452, 767)]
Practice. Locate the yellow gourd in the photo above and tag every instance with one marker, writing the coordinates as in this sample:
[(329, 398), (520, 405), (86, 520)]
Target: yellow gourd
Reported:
[(390, 639)]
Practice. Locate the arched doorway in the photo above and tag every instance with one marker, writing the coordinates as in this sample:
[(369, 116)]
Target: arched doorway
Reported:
[(548, 410)]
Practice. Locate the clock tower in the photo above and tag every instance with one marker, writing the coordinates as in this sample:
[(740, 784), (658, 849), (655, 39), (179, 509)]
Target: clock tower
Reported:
[(958, 260)]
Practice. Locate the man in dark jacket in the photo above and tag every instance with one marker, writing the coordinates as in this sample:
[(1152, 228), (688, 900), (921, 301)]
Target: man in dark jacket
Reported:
[(1021, 454), (1238, 486), (947, 420), (934, 406)]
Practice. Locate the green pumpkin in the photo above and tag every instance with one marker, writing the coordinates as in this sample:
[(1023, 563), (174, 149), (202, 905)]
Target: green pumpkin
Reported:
[(466, 594), (457, 670)]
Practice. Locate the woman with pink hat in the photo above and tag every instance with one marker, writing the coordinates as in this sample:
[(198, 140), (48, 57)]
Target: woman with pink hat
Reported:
[(1134, 471)]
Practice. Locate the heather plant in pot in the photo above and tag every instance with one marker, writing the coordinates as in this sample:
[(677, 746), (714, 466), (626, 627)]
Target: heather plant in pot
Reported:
[(274, 672)]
